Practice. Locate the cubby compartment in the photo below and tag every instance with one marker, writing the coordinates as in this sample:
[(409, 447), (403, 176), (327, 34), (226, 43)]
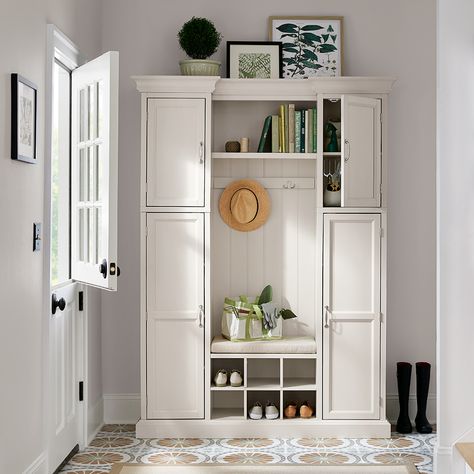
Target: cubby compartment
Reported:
[(332, 124), (227, 405), (237, 119), (299, 397), (263, 396), (228, 365), (299, 374), (263, 374)]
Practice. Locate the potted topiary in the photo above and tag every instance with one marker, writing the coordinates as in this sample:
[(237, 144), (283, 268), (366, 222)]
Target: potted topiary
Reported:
[(199, 39)]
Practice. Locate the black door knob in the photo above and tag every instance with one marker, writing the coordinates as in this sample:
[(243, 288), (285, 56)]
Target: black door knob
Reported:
[(103, 268), (55, 303)]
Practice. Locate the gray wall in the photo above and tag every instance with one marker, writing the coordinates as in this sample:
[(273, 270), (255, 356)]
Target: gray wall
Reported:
[(381, 37), (22, 335)]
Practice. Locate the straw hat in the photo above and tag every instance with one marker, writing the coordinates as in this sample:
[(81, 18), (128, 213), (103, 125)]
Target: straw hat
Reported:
[(244, 205)]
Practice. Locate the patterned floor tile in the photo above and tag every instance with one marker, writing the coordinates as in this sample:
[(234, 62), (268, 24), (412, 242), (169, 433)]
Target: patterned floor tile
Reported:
[(117, 443)]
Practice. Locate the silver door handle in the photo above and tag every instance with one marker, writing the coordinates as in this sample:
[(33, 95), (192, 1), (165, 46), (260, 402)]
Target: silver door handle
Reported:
[(347, 150), (201, 152), (326, 316), (201, 315)]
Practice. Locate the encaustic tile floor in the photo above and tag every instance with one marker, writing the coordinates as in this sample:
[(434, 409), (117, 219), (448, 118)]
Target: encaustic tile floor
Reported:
[(117, 443)]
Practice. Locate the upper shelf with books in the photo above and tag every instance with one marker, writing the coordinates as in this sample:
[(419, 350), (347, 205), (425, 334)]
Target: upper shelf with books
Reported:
[(264, 156)]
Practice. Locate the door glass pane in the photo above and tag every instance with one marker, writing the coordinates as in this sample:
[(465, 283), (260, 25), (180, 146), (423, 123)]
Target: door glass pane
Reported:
[(60, 186)]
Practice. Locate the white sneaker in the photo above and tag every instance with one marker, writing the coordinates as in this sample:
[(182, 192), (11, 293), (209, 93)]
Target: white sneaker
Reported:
[(220, 379), (271, 411), (256, 412), (235, 378)]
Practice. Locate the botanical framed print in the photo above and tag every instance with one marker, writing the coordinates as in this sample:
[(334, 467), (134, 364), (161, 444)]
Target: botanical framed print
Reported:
[(24, 119), (312, 46), (254, 60)]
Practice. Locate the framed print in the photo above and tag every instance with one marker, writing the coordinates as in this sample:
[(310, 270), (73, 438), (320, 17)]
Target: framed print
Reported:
[(24, 119), (312, 46), (254, 60)]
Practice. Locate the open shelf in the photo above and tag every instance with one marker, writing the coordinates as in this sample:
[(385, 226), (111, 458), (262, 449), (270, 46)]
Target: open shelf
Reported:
[(332, 154), (299, 384), (263, 384), (264, 156), (227, 387), (228, 414)]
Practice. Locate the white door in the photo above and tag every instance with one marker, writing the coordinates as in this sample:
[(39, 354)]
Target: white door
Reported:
[(66, 371), (94, 171), (175, 315), (361, 139), (351, 316), (175, 152)]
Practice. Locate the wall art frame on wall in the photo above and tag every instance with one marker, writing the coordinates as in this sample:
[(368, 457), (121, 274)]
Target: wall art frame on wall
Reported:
[(24, 118), (312, 46), (254, 59)]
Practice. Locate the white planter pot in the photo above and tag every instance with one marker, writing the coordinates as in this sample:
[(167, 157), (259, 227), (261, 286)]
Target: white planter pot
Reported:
[(199, 67), (332, 198)]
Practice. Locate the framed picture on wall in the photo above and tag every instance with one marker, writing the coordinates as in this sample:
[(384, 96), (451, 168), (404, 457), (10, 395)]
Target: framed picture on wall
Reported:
[(312, 46), (254, 60), (23, 119)]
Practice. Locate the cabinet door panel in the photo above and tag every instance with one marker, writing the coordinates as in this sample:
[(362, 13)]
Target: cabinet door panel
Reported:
[(175, 152), (361, 141), (175, 292), (351, 316)]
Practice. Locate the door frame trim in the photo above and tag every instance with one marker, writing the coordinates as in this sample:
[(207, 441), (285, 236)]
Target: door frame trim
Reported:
[(58, 46)]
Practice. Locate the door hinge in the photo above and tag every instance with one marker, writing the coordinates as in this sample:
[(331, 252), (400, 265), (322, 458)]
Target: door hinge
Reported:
[(381, 317), (81, 301), (81, 391)]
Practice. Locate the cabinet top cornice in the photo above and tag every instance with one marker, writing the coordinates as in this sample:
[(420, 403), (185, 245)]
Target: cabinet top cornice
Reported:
[(228, 89)]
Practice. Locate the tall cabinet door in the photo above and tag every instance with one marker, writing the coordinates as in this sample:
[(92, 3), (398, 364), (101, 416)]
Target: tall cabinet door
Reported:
[(351, 316), (175, 310), (361, 141), (175, 168)]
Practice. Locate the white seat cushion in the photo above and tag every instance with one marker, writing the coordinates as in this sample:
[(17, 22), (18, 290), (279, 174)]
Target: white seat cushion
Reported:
[(287, 345)]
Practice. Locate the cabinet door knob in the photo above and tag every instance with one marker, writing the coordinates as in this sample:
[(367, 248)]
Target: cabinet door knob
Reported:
[(201, 152), (103, 268), (55, 303)]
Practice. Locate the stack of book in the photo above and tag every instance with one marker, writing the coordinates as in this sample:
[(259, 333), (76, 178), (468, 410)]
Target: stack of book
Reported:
[(291, 131)]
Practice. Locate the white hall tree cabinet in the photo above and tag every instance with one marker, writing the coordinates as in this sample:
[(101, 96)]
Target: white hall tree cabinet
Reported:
[(325, 263)]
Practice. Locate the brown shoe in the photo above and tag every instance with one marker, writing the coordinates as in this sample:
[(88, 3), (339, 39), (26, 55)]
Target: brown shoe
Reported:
[(306, 410), (290, 410)]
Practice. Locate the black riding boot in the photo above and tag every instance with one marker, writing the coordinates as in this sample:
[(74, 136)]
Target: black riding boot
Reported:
[(422, 385), (403, 380)]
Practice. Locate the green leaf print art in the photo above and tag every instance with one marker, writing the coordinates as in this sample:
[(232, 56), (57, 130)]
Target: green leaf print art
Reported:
[(311, 46), (254, 65)]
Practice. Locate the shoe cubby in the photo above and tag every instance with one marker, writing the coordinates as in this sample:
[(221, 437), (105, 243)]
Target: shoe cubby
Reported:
[(228, 365), (300, 397), (299, 374), (263, 397), (228, 405), (263, 374)]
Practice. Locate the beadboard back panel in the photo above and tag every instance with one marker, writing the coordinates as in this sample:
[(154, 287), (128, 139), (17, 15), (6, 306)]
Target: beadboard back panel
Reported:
[(280, 253)]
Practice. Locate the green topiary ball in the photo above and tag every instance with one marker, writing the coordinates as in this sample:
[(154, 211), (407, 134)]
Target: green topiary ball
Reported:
[(199, 38)]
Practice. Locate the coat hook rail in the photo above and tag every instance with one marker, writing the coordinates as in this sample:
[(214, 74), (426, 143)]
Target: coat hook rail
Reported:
[(270, 183)]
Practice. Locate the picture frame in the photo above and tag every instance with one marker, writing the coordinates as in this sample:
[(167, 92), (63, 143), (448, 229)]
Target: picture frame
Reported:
[(24, 117), (254, 60), (311, 46)]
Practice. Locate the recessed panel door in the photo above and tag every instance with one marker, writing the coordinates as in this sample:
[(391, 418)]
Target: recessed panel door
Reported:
[(175, 168), (351, 316), (175, 315)]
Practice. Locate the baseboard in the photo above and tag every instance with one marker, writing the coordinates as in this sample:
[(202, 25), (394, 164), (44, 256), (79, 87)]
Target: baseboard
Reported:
[(121, 408), (38, 466), (95, 419), (393, 408)]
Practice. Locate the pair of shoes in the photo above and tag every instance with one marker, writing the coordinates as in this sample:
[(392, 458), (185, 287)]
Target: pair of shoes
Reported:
[(422, 384), (271, 411), (306, 410), (235, 379)]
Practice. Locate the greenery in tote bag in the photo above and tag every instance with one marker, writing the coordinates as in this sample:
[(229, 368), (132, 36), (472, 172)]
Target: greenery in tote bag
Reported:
[(199, 38), (267, 295), (304, 47)]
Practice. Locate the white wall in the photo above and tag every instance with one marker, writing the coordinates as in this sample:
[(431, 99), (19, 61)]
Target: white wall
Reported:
[(23, 50), (382, 37), (455, 228)]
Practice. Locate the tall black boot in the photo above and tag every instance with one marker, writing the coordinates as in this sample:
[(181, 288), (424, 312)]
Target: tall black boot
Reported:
[(422, 385), (403, 380)]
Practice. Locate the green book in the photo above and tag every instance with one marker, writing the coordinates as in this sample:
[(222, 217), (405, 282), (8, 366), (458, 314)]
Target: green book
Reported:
[(264, 135), (275, 133), (315, 130), (309, 148), (298, 131), (303, 131)]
